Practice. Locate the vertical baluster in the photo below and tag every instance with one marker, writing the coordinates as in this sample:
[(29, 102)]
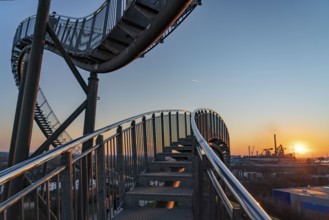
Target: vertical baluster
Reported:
[(120, 162), (185, 120), (177, 124), (210, 125), (58, 197), (64, 32), (119, 11), (154, 136), (27, 26), (77, 44), (36, 204), (162, 132), (134, 148), (170, 131), (91, 31), (73, 33), (101, 180), (145, 140), (106, 18), (67, 201)]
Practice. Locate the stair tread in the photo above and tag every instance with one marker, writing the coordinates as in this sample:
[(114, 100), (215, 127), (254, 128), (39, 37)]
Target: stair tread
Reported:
[(155, 213), (174, 153), (161, 191), (170, 162), (166, 174)]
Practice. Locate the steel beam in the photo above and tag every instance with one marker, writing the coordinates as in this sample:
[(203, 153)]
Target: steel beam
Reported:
[(89, 126), (25, 125)]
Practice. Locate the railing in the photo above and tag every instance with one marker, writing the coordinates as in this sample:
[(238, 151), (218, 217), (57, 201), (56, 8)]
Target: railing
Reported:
[(81, 35), (207, 125), (121, 152)]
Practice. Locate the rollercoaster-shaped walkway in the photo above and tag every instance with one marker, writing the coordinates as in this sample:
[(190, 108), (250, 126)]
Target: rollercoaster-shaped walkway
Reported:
[(168, 163)]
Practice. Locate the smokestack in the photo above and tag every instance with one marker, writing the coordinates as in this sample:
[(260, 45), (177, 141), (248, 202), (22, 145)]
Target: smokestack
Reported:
[(249, 150), (275, 152)]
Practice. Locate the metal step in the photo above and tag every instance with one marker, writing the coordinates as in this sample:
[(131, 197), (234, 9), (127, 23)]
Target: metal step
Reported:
[(167, 165), (182, 142), (162, 156), (181, 195), (155, 213), (185, 178), (146, 11), (178, 148)]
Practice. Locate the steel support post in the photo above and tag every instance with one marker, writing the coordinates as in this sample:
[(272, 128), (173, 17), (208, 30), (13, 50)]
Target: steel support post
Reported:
[(25, 124), (101, 171), (17, 118), (89, 126)]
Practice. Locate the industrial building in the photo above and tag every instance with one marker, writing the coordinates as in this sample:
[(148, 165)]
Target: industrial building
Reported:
[(304, 198)]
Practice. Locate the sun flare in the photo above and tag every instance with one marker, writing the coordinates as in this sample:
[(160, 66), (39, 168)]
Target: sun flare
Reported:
[(300, 148)]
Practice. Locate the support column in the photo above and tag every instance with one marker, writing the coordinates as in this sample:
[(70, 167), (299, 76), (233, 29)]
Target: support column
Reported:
[(17, 117), (25, 124), (89, 126)]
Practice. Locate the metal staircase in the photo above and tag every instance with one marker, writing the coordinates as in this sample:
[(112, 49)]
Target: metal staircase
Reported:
[(150, 166), (169, 185)]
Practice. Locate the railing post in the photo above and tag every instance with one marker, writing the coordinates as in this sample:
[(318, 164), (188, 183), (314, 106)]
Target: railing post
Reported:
[(154, 136), (119, 10), (206, 126), (162, 133), (120, 162), (170, 131), (67, 185), (196, 181), (145, 141), (74, 30), (177, 124), (101, 177), (134, 148), (77, 43), (106, 18), (210, 125), (185, 119)]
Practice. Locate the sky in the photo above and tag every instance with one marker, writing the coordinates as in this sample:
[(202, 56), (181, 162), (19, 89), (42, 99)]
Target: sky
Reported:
[(262, 65)]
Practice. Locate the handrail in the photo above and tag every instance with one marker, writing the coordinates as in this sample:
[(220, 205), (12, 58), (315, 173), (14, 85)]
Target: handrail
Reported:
[(249, 204), (18, 169)]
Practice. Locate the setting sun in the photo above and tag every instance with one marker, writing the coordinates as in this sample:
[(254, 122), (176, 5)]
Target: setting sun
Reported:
[(300, 148)]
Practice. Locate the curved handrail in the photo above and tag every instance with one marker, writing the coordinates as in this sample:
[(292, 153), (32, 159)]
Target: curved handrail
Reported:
[(18, 169), (249, 204)]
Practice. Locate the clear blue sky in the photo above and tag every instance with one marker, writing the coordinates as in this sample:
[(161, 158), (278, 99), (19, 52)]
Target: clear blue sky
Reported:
[(262, 65)]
